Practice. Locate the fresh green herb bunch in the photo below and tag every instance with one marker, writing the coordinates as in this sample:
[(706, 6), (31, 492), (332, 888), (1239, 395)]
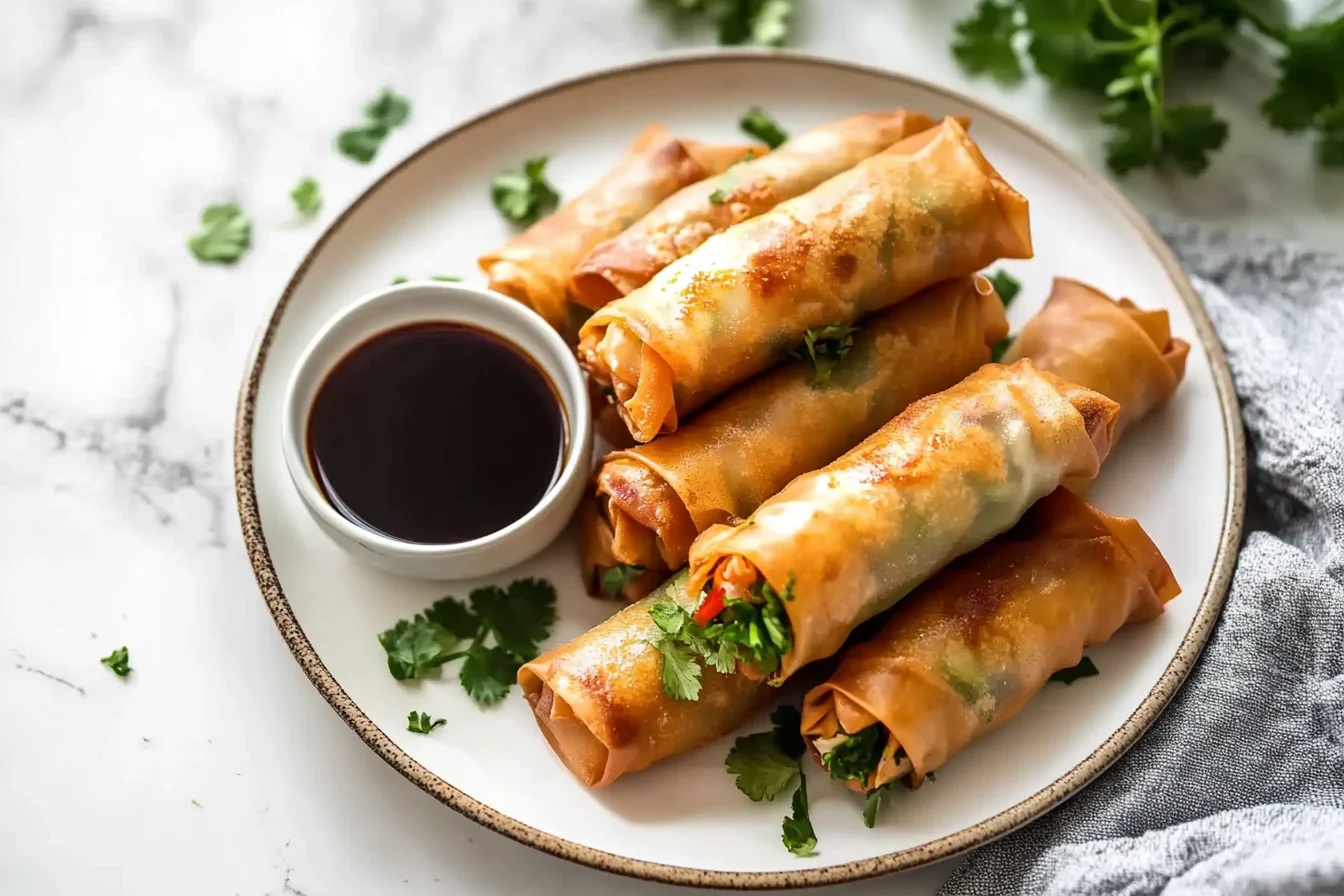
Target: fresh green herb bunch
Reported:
[(1129, 51)]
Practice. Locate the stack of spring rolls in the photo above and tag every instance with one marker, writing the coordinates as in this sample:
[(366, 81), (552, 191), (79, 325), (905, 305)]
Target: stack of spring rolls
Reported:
[(909, 479)]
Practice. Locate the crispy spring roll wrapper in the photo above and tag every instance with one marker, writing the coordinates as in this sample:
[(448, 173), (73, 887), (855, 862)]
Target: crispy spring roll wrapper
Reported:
[(928, 209), (534, 267), (654, 499), (687, 218), (599, 699), (971, 646), (1113, 347), (949, 473)]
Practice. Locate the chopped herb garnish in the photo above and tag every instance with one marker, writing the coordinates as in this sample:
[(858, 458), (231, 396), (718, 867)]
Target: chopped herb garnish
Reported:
[(1000, 348), (798, 836), (857, 758), (764, 22), (1085, 668), (361, 143), (307, 197), (524, 197), (617, 577), (728, 183), (1006, 285), (873, 802), (119, 661), (225, 233), (758, 124), (517, 620), (197, 805), (682, 643), (421, 723), (826, 349)]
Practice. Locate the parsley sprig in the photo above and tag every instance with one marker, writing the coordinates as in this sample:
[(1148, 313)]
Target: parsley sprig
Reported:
[(764, 765), (494, 633), (757, 123), (1129, 51), (421, 723), (524, 197), (826, 348), (119, 661), (763, 22), (387, 111)]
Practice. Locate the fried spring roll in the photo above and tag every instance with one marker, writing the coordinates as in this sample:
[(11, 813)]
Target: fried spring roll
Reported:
[(967, 650), (654, 499), (840, 545), (534, 267), (599, 699), (694, 213), (928, 209), (1125, 353)]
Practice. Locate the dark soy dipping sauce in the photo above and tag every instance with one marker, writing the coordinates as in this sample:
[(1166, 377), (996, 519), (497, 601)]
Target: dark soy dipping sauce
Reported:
[(436, 433)]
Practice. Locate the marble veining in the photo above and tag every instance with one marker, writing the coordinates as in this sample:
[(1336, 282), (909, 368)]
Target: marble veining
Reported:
[(216, 768)]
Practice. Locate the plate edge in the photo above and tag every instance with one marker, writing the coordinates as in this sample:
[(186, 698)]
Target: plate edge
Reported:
[(990, 829)]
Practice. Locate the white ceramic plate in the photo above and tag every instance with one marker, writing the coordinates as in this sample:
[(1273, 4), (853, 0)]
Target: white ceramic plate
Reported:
[(683, 821)]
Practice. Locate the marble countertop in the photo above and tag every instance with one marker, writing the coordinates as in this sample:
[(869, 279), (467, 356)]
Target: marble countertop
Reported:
[(216, 768)]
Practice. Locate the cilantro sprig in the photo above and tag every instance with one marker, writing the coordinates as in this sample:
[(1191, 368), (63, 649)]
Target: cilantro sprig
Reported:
[(119, 661), (1128, 53), (524, 197), (1006, 285), (494, 633), (1084, 668), (763, 22), (766, 764), (857, 758), (224, 235), (387, 111), (617, 577), (826, 348), (421, 723), (757, 123)]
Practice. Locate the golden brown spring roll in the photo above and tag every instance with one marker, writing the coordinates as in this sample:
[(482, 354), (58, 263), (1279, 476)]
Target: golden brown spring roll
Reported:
[(1086, 337), (966, 651), (928, 209), (694, 213), (840, 545), (534, 267), (654, 499), (599, 699)]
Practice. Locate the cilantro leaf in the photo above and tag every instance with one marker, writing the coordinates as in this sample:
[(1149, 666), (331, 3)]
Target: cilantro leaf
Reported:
[(669, 616), (420, 723), (454, 616), (415, 646), (681, 670), (119, 661), (1000, 348), (1146, 135), (617, 577), (389, 109), (487, 673), (984, 43), (788, 733), (826, 349), (362, 142), (1084, 668), (798, 836), (1006, 285), (225, 233), (519, 618), (873, 802), (307, 197), (858, 757), (763, 771), (757, 123), (524, 197), (764, 22), (1310, 91)]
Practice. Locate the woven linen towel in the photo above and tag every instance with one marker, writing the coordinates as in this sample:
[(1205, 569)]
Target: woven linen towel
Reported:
[(1238, 788)]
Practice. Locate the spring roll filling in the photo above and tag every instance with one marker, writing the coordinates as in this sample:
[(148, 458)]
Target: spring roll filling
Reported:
[(744, 614)]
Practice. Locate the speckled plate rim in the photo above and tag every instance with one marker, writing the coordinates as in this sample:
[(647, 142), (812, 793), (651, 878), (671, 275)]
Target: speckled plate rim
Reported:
[(1067, 785)]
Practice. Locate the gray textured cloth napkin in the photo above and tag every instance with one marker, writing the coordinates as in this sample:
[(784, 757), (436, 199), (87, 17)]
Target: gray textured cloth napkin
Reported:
[(1238, 788)]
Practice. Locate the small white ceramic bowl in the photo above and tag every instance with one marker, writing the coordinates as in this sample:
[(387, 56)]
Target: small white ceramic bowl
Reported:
[(417, 303)]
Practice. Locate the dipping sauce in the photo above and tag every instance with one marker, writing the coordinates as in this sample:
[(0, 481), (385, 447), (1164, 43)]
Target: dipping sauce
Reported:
[(436, 433)]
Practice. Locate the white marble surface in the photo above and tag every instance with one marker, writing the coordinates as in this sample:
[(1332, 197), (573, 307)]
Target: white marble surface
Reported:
[(120, 358)]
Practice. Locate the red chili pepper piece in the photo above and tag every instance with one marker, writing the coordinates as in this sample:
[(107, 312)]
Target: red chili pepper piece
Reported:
[(712, 606)]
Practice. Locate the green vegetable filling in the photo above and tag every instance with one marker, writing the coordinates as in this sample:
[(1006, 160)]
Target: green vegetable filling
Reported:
[(858, 757)]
